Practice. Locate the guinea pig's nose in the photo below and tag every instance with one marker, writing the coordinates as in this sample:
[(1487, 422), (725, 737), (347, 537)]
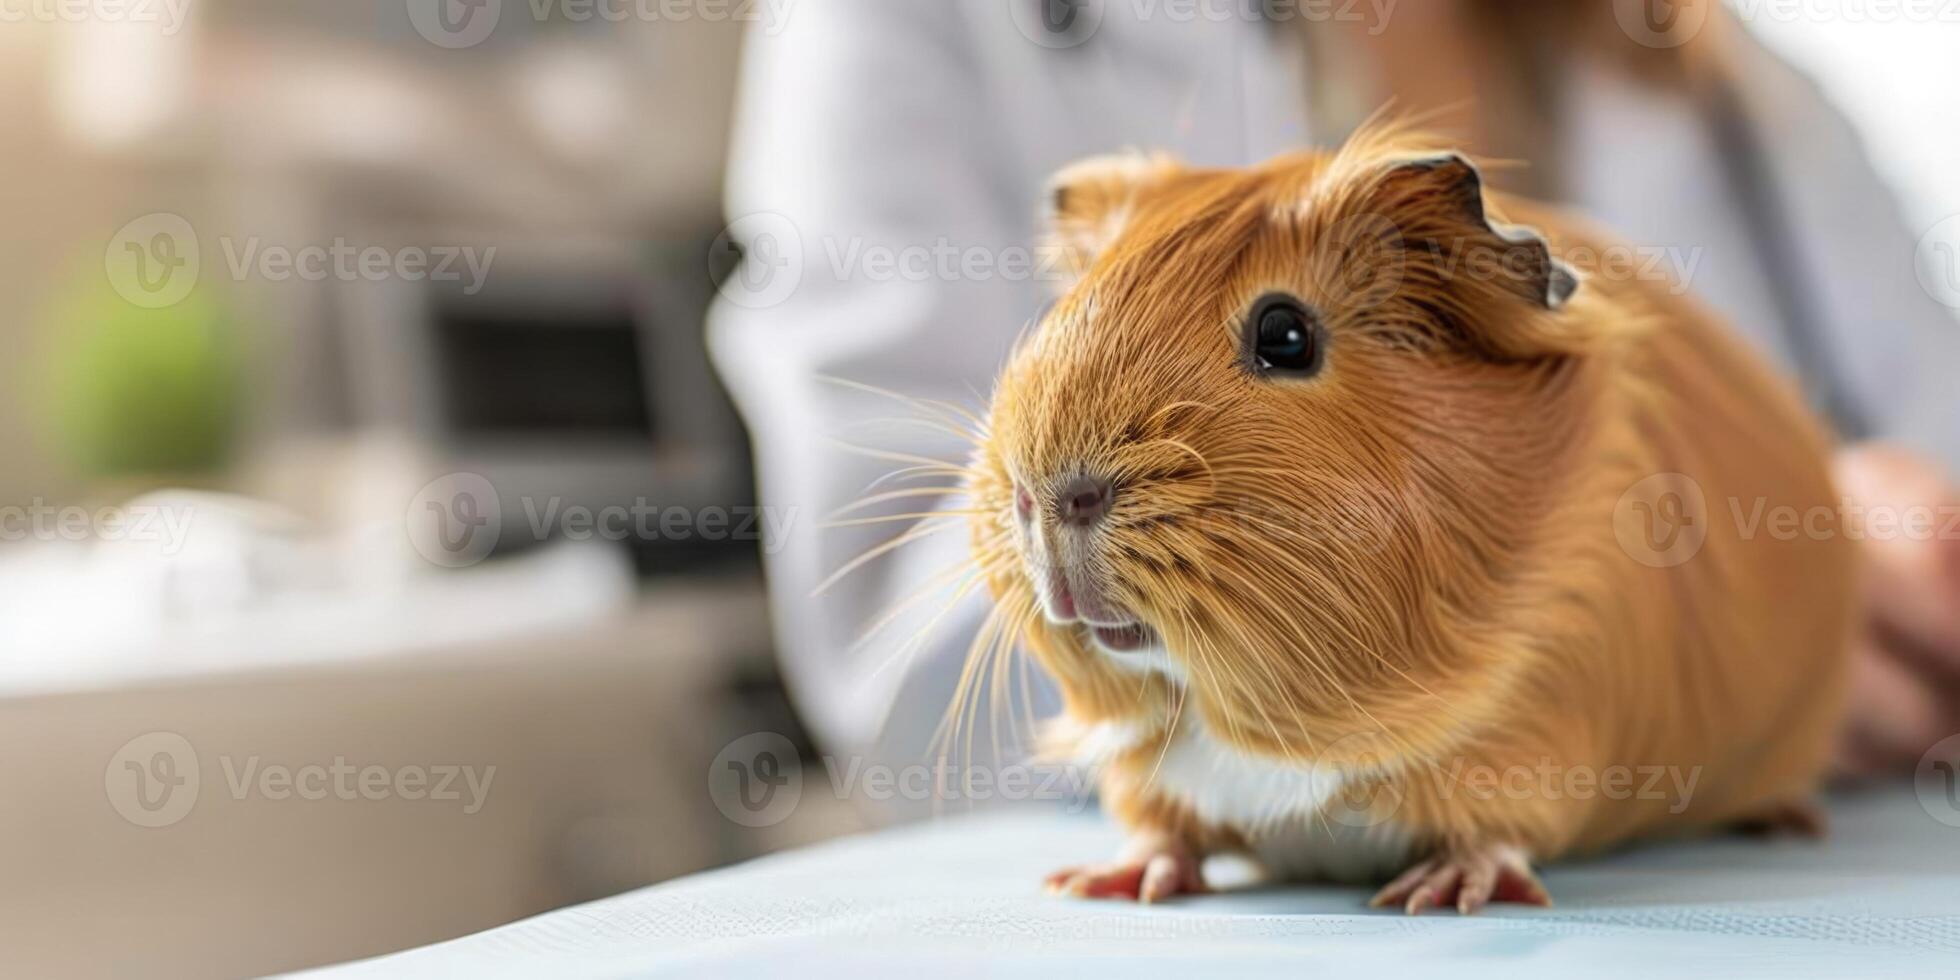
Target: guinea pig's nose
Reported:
[(1084, 500)]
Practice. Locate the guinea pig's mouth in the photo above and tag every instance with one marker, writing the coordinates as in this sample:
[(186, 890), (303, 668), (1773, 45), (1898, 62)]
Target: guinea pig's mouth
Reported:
[(1128, 638), (1133, 647)]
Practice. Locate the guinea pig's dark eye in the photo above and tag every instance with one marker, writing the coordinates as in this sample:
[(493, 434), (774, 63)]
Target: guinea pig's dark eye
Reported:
[(1283, 337)]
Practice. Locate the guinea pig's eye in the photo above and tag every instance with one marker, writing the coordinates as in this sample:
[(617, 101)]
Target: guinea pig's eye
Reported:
[(1282, 336)]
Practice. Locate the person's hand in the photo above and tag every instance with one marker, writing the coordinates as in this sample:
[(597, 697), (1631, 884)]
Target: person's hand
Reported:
[(1905, 672)]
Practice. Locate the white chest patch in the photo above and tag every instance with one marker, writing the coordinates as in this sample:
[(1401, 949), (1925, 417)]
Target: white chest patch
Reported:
[(1282, 808)]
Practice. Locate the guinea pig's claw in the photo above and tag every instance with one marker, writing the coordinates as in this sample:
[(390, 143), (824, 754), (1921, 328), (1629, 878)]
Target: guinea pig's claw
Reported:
[(1468, 878), (1142, 878)]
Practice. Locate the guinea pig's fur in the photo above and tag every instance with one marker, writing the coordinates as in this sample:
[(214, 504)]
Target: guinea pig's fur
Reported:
[(1369, 585)]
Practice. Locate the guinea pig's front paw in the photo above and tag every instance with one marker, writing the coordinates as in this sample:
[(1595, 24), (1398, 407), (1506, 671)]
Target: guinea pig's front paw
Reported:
[(1469, 878), (1152, 868)]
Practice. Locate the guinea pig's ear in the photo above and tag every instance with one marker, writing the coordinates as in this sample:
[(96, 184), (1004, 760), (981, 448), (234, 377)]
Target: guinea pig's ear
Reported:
[(1443, 195), (1090, 201)]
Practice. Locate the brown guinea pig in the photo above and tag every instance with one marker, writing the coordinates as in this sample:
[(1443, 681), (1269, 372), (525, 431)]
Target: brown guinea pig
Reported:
[(1375, 537)]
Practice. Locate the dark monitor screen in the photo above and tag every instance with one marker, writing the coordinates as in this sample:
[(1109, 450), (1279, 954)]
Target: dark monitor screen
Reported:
[(573, 374)]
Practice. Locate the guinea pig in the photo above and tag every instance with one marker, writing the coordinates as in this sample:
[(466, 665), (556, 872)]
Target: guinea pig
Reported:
[(1381, 539)]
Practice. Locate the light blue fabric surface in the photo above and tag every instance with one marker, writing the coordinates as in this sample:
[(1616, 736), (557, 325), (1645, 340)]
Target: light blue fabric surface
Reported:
[(960, 897)]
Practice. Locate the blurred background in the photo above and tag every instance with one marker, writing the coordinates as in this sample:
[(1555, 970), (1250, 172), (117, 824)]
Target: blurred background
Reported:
[(270, 606), (279, 276)]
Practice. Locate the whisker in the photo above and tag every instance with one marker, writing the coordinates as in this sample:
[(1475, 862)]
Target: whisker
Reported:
[(890, 495), (947, 732), (934, 424), (1173, 406), (1313, 663), (1024, 671), (911, 473), (1349, 637), (1194, 454), (933, 406), (914, 643), (938, 581), (893, 456), (1183, 691), (893, 518), (923, 529)]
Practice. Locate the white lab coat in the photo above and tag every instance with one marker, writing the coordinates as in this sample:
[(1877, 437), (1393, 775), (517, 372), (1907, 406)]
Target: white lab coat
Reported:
[(892, 128)]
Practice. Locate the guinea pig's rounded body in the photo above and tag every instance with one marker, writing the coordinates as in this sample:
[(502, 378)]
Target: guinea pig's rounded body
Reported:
[(1367, 534)]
